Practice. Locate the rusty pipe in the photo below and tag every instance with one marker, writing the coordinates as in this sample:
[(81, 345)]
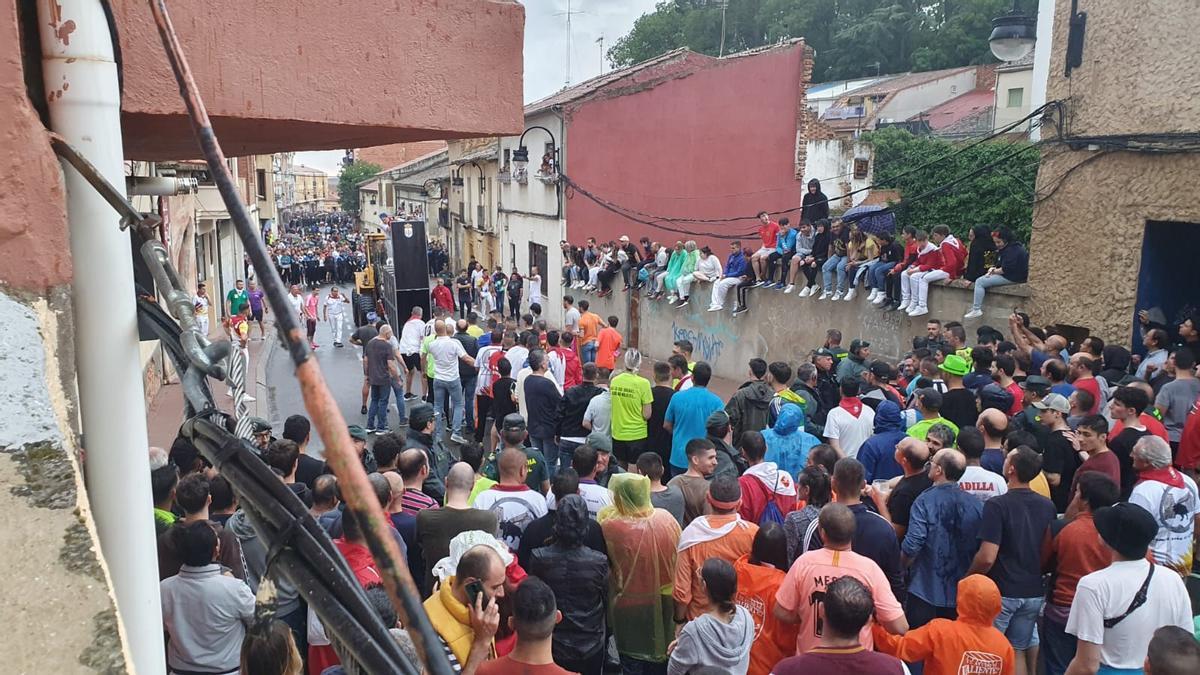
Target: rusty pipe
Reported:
[(318, 401)]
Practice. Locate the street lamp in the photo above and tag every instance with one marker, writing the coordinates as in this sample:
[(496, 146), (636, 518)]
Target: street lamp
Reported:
[(520, 157), (476, 165), (1013, 35)]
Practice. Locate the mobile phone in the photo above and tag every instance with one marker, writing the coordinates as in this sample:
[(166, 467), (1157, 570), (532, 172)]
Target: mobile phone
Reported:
[(474, 590)]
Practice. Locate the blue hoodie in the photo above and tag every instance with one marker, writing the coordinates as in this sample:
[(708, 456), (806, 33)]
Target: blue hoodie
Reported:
[(787, 442), (786, 242), (878, 453), (736, 265)]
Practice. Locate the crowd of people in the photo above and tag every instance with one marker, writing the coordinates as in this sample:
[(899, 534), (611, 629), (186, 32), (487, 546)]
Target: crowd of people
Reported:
[(315, 250), (1003, 502)]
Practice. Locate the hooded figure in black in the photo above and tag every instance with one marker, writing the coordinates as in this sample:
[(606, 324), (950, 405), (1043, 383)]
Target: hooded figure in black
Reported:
[(578, 576), (982, 253), (815, 204)]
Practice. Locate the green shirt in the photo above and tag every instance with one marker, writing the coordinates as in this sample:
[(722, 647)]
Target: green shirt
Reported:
[(535, 461), (630, 392), (481, 484), (921, 429), (237, 299), (428, 340)]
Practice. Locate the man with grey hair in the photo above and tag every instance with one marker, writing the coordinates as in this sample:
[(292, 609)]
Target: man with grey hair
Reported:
[(940, 542), (1171, 497), (631, 401)]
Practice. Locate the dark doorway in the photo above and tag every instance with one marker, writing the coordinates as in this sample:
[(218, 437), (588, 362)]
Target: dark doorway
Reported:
[(538, 256), (1168, 283)]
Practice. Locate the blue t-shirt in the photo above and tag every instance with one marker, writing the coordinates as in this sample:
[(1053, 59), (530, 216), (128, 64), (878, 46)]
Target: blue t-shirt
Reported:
[(688, 412)]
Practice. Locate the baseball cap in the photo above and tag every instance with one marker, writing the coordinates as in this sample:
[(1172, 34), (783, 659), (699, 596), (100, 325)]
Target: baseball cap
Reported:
[(1054, 402), (881, 369), (1036, 383), (930, 398), (994, 396), (857, 344), (259, 425), (420, 416), (357, 432), (823, 351), (954, 365), (1127, 528), (513, 422), (600, 441), (717, 419)]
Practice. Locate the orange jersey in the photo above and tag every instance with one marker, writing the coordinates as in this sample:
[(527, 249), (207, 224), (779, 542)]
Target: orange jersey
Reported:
[(773, 639)]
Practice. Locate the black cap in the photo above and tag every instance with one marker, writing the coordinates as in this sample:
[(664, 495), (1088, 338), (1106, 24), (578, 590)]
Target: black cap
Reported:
[(930, 398), (258, 425), (419, 416), (1036, 383), (1127, 528), (995, 396), (881, 369), (824, 352), (513, 422), (857, 344)]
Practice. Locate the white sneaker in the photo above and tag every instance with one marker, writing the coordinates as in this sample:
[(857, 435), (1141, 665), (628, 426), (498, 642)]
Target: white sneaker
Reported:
[(873, 296), (813, 290), (880, 301), (715, 308), (903, 305), (850, 294), (805, 292), (790, 288), (824, 296), (973, 314), (837, 296), (918, 311)]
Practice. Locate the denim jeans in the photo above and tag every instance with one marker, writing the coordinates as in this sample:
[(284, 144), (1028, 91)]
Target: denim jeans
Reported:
[(632, 666), (838, 263), (468, 388), (985, 282), (549, 450), (566, 451), (377, 411), (1018, 621), (877, 274), (1057, 646), (587, 353), (452, 390), (398, 390)]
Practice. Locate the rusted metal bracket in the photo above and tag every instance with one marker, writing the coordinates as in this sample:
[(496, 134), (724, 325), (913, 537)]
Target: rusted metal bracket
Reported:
[(144, 223)]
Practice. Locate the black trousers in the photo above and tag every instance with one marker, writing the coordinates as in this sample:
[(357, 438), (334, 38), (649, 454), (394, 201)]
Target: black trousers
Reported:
[(741, 292), (783, 260)]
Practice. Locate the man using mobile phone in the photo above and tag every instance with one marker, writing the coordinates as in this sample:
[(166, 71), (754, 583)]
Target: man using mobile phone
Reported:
[(477, 582)]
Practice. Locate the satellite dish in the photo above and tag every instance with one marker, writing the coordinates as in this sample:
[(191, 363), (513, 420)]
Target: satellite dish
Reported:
[(433, 188)]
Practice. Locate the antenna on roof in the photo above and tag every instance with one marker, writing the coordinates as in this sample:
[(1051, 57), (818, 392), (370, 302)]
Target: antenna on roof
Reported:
[(568, 13)]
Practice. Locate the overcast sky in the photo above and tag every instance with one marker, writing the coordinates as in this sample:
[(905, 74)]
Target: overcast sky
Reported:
[(546, 50)]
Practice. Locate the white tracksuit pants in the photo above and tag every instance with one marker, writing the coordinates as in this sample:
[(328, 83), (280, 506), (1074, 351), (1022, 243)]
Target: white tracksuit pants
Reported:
[(337, 325), (915, 286), (721, 289)]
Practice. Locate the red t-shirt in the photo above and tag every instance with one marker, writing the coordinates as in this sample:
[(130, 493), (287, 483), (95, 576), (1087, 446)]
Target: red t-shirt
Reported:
[(505, 665), (1149, 421), (769, 234), (1076, 552), (840, 661), (1091, 386), (1017, 394)]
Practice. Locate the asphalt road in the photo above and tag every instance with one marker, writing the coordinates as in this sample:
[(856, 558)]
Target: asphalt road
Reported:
[(342, 368)]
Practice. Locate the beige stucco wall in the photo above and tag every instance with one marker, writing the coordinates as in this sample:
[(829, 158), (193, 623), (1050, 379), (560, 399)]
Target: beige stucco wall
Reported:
[(1012, 79), (1137, 77)]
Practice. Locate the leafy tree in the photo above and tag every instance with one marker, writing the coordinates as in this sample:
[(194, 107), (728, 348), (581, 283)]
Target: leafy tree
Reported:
[(348, 179), (1002, 195), (852, 38)]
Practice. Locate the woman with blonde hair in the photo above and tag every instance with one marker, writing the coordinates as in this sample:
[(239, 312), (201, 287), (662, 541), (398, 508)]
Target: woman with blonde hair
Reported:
[(642, 543)]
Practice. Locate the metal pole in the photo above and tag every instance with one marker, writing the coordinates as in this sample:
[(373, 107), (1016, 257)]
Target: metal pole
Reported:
[(80, 75)]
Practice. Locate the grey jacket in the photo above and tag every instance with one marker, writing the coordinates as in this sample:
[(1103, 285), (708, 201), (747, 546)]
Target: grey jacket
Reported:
[(206, 614), (254, 551), (713, 643)]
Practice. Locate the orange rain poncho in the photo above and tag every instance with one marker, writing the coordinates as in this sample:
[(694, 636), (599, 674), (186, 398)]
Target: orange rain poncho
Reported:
[(641, 548), (969, 644)]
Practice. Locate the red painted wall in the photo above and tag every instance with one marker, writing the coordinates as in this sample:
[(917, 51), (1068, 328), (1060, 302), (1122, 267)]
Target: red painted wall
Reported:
[(716, 143)]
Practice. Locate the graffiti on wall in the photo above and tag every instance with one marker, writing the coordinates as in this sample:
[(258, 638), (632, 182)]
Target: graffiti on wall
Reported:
[(706, 346)]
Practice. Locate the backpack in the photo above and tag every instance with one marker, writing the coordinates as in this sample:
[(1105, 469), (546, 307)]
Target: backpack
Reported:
[(771, 512)]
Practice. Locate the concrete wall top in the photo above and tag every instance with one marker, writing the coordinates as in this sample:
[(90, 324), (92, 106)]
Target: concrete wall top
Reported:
[(782, 327), (274, 77), (1138, 71)]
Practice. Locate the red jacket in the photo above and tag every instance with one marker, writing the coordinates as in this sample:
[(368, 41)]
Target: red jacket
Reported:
[(910, 257), (954, 257), (573, 372), (442, 297), (754, 499), (930, 258)]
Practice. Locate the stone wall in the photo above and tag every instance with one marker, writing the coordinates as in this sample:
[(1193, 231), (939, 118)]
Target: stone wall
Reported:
[(782, 327)]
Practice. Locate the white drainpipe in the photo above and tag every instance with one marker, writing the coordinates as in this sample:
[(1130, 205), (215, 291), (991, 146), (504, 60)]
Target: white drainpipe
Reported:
[(80, 76)]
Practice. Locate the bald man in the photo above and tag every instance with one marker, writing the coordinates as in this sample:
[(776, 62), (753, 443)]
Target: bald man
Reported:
[(993, 424), (911, 455), (940, 541), (436, 527), (514, 503)]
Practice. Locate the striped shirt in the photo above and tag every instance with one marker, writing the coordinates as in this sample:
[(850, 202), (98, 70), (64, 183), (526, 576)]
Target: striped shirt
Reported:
[(413, 501)]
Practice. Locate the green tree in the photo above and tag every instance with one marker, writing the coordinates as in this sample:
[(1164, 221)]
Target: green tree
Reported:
[(348, 179), (851, 38), (1001, 195)]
